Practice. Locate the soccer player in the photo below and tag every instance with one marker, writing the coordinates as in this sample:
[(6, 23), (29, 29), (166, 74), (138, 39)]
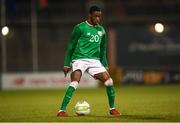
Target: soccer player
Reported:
[(86, 52)]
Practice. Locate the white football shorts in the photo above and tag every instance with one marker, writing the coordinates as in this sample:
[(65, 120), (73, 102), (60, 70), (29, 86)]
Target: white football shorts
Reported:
[(92, 66)]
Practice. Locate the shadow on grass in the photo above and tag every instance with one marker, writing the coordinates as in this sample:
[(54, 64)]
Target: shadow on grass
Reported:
[(143, 117), (123, 117)]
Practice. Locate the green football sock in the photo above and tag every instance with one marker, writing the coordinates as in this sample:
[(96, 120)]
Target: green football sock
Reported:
[(67, 97), (111, 95)]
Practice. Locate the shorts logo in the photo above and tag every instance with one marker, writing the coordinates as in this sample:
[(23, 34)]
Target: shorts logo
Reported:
[(76, 64)]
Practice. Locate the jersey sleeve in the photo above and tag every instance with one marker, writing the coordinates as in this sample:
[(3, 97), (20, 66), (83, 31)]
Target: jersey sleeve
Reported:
[(103, 58), (71, 45)]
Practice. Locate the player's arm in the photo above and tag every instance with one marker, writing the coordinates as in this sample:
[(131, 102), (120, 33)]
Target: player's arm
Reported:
[(70, 48), (103, 51)]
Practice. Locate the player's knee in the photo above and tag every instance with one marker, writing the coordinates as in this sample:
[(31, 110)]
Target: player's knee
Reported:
[(108, 82), (74, 84), (76, 75)]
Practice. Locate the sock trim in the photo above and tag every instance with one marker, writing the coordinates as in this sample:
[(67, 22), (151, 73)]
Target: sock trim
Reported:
[(74, 84), (111, 108), (62, 110), (109, 82)]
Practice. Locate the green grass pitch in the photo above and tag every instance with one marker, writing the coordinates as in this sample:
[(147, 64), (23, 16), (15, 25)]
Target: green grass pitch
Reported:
[(136, 103)]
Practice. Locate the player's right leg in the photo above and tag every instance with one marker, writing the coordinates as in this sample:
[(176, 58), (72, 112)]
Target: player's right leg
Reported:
[(75, 77), (78, 68)]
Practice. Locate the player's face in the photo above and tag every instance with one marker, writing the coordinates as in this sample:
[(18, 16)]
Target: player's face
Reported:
[(95, 17)]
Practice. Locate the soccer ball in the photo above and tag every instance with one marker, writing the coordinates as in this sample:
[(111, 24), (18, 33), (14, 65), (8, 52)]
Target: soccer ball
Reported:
[(82, 108)]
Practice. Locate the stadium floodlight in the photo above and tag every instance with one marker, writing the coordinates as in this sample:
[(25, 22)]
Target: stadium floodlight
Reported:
[(5, 30), (159, 28)]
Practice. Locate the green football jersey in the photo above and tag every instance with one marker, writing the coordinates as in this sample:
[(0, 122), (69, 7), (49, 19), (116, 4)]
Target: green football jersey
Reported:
[(87, 42)]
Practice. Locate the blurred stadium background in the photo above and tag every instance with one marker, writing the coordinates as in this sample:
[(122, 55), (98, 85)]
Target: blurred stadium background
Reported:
[(138, 51)]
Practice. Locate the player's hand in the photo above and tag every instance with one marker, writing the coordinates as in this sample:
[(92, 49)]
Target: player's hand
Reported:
[(66, 69)]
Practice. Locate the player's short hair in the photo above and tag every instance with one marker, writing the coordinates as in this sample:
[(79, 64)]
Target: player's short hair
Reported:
[(93, 9)]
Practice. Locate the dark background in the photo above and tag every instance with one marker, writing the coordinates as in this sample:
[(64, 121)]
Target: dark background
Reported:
[(138, 46)]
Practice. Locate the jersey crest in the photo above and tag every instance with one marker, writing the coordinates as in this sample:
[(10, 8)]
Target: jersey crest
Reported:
[(88, 33), (99, 33)]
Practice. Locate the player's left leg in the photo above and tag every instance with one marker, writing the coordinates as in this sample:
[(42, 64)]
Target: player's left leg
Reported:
[(106, 79), (97, 70)]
